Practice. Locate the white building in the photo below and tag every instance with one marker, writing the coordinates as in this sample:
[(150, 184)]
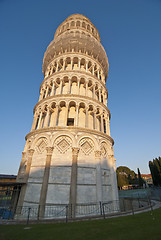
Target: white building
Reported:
[(68, 157)]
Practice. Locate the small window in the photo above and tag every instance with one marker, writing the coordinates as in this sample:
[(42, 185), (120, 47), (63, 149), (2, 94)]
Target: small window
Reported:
[(49, 92), (70, 122), (104, 124), (44, 94), (101, 98), (37, 122)]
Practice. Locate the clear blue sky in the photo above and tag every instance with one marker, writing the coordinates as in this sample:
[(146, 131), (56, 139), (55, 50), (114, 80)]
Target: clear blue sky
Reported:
[(131, 35)]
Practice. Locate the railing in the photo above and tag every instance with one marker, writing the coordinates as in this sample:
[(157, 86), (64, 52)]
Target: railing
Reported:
[(57, 211), (69, 211)]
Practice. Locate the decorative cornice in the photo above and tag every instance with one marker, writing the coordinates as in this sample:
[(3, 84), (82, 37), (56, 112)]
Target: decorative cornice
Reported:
[(75, 17), (56, 46), (70, 129), (56, 97), (73, 72)]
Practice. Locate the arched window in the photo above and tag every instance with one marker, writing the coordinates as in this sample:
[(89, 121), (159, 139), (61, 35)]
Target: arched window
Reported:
[(43, 120), (71, 114), (101, 98), (37, 122), (88, 27), (44, 94), (82, 115), (83, 25), (82, 64), (78, 24), (72, 24), (104, 125), (49, 92)]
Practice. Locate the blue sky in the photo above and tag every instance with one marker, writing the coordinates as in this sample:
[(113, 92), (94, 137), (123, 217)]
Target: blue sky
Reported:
[(131, 35)]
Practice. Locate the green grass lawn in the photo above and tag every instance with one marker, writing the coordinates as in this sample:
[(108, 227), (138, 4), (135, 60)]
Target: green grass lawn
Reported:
[(141, 226)]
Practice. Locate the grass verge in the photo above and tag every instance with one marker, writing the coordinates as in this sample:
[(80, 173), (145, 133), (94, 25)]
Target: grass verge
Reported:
[(140, 226)]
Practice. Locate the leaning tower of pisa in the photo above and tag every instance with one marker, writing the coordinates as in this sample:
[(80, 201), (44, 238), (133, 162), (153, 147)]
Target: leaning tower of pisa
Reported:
[(68, 157)]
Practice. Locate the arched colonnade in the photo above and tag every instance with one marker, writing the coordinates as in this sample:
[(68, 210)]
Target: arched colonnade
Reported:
[(76, 64), (71, 113), (78, 24), (74, 85)]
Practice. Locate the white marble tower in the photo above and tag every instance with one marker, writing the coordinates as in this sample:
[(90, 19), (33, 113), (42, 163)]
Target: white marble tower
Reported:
[(68, 157)]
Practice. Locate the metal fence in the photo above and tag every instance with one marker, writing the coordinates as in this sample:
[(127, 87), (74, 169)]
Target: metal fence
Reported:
[(70, 212), (146, 193)]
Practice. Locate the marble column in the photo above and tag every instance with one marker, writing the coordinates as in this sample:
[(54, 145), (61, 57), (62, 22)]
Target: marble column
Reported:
[(93, 69), (44, 187), (99, 91), (78, 87), (113, 177), (38, 126), (86, 119), (95, 120), (34, 122), (72, 64), (56, 115), (47, 89), (79, 63), (108, 125), (86, 89), (98, 176), (98, 74), (102, 127), (94, 94), (47, 118), (73, 184), (66, 114), (19, 175), (77, 114), (57, 67), (63, 64), (53, 88), (86, 66), (104, 98), (41, 95), (69, 87), (25, 180), (61, 83)]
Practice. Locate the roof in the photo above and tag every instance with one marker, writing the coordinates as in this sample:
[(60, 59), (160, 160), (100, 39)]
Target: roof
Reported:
[(6, 184), (8, 176)]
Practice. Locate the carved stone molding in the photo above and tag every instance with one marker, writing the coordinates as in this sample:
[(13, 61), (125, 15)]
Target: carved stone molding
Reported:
[(104, 149), (89, 131), (31, 151), (55, 75), (97, 154), (86, 145), (63, 143), (111, 156), (49, 150), (75, 96), (75, 150)]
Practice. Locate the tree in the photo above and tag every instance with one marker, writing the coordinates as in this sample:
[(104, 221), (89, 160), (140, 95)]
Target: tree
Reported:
[(121, 180), (152, 170), (125, 176), (155, 169), (140, 179)]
